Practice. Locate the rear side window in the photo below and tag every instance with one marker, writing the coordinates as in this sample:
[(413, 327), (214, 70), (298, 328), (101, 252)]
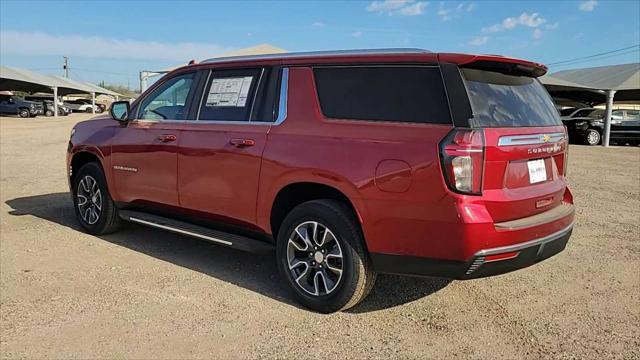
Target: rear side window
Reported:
[(500, 100), (411, 94)]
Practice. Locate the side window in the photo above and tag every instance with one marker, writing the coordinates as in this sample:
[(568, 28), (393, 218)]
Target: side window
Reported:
[(229, 95), (383, 93), (633, 115), (168, 102)]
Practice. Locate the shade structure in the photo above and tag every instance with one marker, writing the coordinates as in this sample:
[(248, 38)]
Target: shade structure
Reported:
[(12, 78), (621, 82)]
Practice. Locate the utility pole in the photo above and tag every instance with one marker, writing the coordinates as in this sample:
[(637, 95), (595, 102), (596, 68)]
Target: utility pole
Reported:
[(66, 67)]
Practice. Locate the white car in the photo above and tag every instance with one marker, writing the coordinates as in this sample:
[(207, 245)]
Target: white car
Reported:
[(82, 105)]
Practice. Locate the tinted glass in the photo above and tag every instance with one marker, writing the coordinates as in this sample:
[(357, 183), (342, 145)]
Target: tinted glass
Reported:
[(229, 95), (567, 112), (168, 102), (383, 93), (633, 115), (500, 100)]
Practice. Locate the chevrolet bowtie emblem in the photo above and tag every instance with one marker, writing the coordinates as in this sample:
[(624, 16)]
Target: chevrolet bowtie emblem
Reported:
[(546, 138)]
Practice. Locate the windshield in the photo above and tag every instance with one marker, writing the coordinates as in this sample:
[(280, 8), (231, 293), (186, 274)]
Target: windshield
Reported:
[(500, 100)]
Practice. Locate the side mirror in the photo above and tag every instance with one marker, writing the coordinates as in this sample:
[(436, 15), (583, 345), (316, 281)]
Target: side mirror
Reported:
[(120, 110)]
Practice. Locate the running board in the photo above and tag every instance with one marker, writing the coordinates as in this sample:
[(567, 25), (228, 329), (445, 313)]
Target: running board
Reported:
[(199, 232)]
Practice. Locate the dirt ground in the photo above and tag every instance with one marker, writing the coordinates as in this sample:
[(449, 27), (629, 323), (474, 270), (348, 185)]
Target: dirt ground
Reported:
[(143, 293)]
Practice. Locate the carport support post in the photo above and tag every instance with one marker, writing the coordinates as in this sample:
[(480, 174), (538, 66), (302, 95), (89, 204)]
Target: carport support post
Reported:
[(55, 101), (93, 102), (607, 118)]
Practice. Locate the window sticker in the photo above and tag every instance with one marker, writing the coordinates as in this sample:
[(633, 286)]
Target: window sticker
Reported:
[(229, 91)]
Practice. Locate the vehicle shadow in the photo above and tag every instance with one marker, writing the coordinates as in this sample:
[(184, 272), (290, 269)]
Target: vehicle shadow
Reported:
[(255, 272)]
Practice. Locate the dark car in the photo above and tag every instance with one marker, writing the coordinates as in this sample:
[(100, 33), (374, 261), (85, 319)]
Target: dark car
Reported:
[(48, 105), (588, 126), (347, 164), (13, 105)]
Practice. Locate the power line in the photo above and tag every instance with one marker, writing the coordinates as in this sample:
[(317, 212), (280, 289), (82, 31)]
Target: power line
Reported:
[(600, 58), (594, 55)]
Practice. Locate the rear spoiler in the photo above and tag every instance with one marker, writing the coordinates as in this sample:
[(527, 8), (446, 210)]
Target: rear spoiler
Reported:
[(505, 65)]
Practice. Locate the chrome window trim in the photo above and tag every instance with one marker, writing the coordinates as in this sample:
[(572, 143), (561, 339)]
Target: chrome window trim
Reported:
[(282, 99), (532, 139)]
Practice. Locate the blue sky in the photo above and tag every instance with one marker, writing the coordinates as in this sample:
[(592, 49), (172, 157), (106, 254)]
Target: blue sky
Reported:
[(113, 41)]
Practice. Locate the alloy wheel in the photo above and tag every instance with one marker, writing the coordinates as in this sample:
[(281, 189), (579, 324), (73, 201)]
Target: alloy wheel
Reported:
[(89, 199), (315, 258)]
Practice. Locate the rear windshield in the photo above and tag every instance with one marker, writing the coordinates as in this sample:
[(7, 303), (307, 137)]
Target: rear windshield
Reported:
[(500, 100)]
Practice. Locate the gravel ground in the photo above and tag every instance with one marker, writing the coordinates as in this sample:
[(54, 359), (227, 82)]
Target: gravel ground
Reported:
[(143, 293)]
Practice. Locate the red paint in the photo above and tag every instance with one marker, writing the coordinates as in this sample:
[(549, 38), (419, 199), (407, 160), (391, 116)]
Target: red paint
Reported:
[(391, 173)]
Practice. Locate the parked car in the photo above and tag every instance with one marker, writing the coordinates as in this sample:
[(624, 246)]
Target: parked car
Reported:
[(587, 126), (347, 163), (48, 105), (13, 105), (82, 105)]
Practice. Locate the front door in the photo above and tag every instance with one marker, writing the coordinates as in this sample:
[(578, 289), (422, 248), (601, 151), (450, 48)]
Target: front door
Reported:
[(144, 152), (220, 154)]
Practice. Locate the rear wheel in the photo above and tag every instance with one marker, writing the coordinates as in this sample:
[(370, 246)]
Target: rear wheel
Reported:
[(592, 137), (88, 110), (24, 113), (93, 205), (49, 113), (321, 254)]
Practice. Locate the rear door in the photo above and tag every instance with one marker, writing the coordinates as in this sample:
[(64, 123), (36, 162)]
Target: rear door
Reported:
[(221, 153), (525, 143), (144, 152)]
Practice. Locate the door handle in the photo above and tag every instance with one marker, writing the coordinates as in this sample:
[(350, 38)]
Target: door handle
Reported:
[(240, 143), (167, 138)]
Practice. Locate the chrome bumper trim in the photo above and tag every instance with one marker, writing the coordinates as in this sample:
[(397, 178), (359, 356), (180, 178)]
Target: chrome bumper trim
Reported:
[(527, 244)]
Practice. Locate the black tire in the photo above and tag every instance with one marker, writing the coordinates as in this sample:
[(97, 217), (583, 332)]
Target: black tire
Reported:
[(88, 110), (49, 113), (357, 275), (24, 113), (108, 220), (592, 137)]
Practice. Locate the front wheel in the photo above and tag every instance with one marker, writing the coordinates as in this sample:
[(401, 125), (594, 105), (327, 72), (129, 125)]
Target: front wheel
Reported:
[(93, 205), (49, 113), (88, 110), (320, 252), (592, 137)]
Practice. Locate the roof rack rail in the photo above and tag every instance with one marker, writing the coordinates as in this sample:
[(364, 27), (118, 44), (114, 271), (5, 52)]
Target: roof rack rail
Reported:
[(311, 54)]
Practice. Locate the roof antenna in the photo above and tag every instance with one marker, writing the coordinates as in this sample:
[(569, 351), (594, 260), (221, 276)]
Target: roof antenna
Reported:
[(192, 62)]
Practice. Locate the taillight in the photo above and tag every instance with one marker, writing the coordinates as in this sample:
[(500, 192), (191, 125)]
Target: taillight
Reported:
[(462, 156)]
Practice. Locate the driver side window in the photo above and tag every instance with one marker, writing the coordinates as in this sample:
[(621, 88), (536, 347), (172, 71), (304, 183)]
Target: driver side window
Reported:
[(168, 102)]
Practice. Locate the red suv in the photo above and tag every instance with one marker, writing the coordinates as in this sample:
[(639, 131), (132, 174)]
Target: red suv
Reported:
[(348, 163)]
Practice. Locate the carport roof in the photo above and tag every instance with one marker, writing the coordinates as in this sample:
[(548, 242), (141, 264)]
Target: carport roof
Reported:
[(12, 78), (559, 84), (614, 77)]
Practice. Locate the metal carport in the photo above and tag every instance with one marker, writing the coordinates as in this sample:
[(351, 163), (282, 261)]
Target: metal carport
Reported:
[(615, 81), (12, 78)]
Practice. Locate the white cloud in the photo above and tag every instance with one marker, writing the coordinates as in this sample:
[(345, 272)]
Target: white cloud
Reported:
[(318, 24), (479, 40), (447, 14), (41, 44), (589, 5), (414, 9), (534, 20), (537, 34), (398, 7), (357, 34), (552, 26)]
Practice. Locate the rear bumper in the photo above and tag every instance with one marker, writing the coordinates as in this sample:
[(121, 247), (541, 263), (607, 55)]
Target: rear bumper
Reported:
[(485, 262)]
